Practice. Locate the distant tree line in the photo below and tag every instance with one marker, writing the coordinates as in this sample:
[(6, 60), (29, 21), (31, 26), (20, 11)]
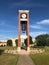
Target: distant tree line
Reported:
[(9, 42), (42, 40)]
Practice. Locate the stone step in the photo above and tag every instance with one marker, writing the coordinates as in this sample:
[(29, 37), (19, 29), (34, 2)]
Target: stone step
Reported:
[(23, 52)]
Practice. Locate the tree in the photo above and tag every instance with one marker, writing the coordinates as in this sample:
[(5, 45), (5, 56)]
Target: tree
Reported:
[(42, 40), (9, 43), (16, 41), (31, 42), (25, 41)]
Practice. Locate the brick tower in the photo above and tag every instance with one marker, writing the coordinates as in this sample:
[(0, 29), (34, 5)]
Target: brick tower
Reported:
[(23, 25)]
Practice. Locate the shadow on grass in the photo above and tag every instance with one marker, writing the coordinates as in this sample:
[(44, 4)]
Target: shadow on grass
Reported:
[(1, 52)]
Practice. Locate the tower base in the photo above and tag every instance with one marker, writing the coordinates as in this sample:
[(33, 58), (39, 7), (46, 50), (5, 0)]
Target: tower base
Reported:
[(18, 49), (28, 48)]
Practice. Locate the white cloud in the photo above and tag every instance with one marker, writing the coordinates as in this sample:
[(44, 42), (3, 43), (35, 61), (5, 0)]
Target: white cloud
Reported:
[(35, 26), (40, 25), (4, 24), (34, 34), (43, 22)]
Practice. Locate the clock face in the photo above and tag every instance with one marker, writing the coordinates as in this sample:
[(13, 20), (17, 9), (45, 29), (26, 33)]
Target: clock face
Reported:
[(23, 16)]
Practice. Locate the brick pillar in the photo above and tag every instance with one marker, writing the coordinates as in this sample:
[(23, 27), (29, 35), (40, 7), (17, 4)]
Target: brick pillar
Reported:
[(19, 31), (28, 40)]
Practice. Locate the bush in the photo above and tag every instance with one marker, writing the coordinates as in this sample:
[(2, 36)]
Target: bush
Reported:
[(42, 40), (16, 41), (31, 42), (9, 43)]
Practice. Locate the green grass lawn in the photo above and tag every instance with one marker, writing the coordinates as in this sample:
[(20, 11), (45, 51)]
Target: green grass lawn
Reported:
[(8, 48), (41, 59), (8, 59), (37, 47)]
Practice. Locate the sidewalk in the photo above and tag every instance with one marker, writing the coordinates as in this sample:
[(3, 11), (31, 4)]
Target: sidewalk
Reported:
[(24, 59)]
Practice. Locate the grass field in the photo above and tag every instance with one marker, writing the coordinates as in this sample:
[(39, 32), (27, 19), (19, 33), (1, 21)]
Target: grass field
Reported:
[(8, 59), (8, 48), (41, 59)]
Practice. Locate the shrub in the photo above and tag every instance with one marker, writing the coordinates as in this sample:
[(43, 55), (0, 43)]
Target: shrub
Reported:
[(9, 43), (31, 42), (16, 41), (42, 40)]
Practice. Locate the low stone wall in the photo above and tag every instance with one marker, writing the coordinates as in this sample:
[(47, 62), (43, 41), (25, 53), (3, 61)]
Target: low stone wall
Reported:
[(11, 51), (36, 51)]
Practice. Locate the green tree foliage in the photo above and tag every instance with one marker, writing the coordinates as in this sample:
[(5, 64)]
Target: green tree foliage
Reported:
[(9, 43), (31, 42), (25, 41), (16, 41), (42, 40)]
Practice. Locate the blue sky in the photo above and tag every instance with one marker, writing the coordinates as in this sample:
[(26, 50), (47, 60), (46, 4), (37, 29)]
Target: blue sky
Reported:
[(39, 17)]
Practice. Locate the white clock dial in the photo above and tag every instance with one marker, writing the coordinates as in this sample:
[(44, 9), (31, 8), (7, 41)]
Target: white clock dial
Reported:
[(24, 16)]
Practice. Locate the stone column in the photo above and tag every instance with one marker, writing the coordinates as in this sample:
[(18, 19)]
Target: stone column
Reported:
[(13, 42)]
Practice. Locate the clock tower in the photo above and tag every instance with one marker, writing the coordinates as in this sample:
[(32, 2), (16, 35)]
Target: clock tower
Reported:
[(23, 27)]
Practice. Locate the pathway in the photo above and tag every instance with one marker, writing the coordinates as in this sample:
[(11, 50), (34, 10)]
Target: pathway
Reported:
[(24, 58)]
